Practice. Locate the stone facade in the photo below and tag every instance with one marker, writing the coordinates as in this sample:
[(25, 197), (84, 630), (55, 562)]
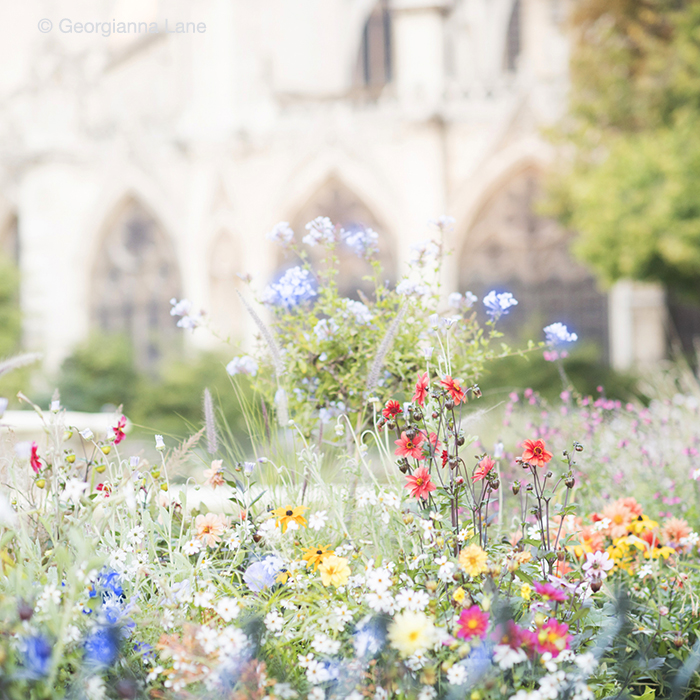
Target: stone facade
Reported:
[(142, 165)]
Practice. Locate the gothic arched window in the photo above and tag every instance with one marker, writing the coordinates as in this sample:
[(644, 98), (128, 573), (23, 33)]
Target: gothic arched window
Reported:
[(343, 207), (224, 266), (513, 38), (512, 248), (375, 60), (134, 277)]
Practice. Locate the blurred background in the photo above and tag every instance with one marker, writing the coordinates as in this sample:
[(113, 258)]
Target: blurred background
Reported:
[(140, 165)]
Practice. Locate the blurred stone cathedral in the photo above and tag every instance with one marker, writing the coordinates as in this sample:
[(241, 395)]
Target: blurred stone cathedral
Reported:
[(145, 166)]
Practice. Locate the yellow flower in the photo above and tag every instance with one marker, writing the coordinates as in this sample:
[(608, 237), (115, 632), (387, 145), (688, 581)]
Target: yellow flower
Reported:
[(642, 523), (459, 595), (334, 571), (473, 560), (288, 514), (410, 632), (525, 591), (315, 555)]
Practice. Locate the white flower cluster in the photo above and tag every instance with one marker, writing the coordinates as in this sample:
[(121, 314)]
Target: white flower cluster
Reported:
[(320, 231)]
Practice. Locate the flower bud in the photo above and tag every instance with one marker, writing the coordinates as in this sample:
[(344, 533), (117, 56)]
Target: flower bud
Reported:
[(578, 447), (67, 435), (70, 458), (41, 483), (596, 585), (106, 449), (163, 487), (460, 440), (570, 482), (100, 468), (515, 488), (431, 586), (408, 518), (449, 404), (24, 610)]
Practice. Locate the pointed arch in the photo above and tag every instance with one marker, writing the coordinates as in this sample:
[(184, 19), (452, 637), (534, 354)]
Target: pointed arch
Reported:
[(224, 265), (135, 274), (510, 246), (336, 200)]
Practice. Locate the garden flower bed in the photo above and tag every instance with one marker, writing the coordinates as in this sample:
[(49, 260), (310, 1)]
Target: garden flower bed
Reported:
[(369, 546)]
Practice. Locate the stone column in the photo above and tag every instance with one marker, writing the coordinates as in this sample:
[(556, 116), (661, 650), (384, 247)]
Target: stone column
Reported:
[(419, 50), (637, 317)]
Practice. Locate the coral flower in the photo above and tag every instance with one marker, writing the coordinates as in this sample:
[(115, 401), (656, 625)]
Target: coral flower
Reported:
[(674, 530), (214, 476), (210, 527), (289, 514), (483, 468), (421, 390), (472, 623), (119, 433), (392, 409), (534, 452), (419, 483), (410, 447), (552, 637), (334, 571), (620, 517), (34, 458), (316, 555), (472, 559), (453, 389)]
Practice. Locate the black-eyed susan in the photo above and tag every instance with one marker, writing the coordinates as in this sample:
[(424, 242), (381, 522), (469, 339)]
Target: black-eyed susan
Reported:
[(314, 556), (290, 514)]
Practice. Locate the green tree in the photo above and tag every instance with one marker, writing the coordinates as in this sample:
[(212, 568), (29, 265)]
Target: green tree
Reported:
[(630, 171)]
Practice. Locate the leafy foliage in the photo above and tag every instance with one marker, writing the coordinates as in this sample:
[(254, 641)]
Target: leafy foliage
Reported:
[(632, 159)]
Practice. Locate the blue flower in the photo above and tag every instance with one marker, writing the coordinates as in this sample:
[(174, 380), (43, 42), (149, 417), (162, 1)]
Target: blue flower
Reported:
[(261, 574), (108, 583), (368, 638), (295, 286), (320, 230), (498, 304), (558, 333), (37, 656), (362, 241), (102, 646), (145, 650)]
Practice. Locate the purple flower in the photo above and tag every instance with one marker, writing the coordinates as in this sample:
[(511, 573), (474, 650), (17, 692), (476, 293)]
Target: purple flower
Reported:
[(262, 574)]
